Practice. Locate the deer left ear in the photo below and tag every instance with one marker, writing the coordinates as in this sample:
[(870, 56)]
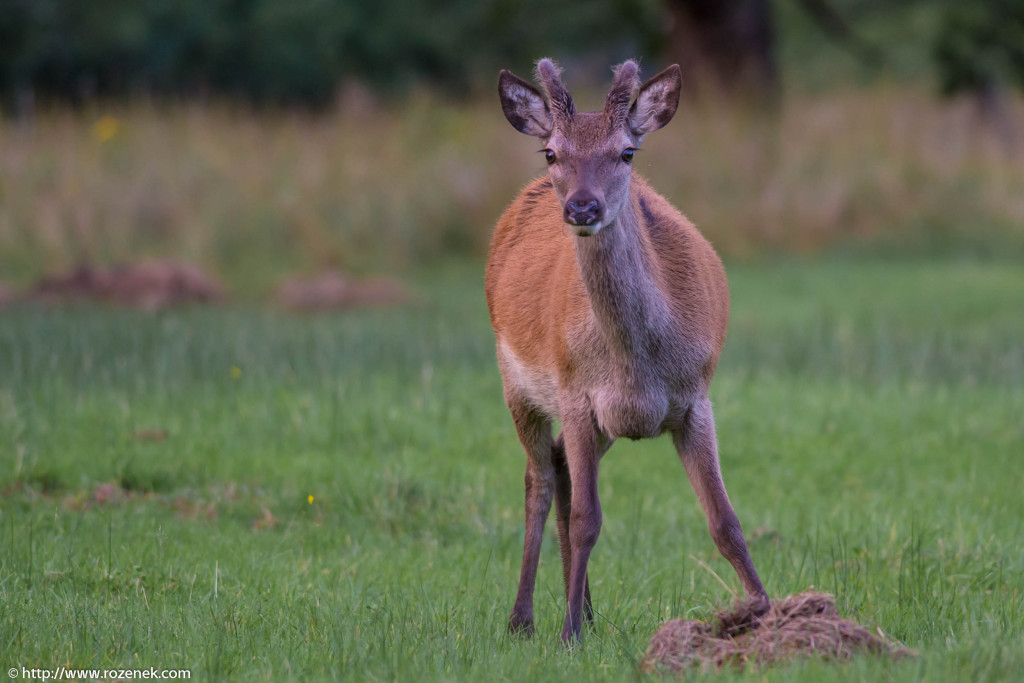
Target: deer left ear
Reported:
[(657, 102)]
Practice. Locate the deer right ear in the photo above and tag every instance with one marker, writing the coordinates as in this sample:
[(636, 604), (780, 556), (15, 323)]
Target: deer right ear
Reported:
[(523, 105)]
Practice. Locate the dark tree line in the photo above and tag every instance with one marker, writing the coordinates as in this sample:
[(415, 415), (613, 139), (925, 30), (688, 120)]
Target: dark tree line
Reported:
[(292, 50), (730, 46), (300, 50)]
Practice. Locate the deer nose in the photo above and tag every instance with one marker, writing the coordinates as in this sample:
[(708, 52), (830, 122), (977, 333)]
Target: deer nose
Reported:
[(582, 211)]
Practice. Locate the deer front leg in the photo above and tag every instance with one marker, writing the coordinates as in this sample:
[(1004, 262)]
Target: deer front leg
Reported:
[(583, 449), (563, 509), (534, 433), (698, 449)]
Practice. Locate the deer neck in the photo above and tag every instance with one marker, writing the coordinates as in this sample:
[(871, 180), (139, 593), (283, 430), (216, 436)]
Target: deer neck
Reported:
[(617, 269)]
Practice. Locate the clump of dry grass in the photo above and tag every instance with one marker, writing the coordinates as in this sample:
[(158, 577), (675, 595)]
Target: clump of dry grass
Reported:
[(367, 186), (802, 625)]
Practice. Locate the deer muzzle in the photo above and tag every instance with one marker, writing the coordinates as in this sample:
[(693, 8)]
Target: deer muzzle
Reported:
[(584, 212)]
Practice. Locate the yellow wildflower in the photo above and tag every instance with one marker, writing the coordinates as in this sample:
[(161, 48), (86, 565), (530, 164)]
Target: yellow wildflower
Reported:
[(105, 128)]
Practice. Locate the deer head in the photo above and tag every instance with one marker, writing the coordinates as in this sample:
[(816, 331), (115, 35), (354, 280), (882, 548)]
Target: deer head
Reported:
[(590, 154)]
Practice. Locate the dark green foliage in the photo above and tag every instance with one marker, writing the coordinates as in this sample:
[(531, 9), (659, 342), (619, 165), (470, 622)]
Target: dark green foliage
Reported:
[(981, 46), (295, 50)]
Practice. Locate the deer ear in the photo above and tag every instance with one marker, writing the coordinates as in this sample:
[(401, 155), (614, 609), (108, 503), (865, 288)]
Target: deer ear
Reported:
[(523, 105), (657, 101)]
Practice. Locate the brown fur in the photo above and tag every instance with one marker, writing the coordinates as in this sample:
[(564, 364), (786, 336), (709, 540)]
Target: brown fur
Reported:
[(609, 309), (533, 265)]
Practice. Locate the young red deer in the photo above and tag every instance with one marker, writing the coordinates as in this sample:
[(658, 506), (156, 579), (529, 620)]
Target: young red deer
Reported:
[(613, 326)]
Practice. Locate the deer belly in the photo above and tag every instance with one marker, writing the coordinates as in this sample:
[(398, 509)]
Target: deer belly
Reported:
[(632, 415), (532, 384)]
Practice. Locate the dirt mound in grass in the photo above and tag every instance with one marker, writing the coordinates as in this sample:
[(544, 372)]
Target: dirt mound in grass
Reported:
[(332, 291), (7, 295), (803, 625), (148, 285)]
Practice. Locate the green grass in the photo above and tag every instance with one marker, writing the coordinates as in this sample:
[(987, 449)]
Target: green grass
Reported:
[(870, 419)]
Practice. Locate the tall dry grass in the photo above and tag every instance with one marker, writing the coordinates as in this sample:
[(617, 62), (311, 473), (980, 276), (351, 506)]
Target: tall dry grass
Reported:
[(252, 195)]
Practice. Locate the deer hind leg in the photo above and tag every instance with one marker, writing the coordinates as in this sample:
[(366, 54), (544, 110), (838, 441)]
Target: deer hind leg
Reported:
[(698, 449), (563, 509), (534, 432)]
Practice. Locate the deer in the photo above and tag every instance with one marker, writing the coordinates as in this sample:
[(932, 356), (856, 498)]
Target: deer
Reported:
[(609, 310)]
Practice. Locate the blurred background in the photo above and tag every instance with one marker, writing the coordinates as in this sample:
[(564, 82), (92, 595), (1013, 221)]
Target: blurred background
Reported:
[(261, 138)]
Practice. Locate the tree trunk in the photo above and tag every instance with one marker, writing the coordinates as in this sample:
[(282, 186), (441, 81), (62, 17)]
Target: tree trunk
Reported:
[(725, 47)]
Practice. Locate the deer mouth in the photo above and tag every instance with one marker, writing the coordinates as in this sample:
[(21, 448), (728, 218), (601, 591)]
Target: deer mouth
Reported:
[(584, 224), (585, 229)]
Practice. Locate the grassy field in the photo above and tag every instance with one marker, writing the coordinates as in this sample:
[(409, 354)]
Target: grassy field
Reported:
[(255, 495), (371, 185)]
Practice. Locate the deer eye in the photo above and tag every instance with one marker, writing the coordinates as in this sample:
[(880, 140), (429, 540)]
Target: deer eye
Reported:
[(549, 156), (627, 154)]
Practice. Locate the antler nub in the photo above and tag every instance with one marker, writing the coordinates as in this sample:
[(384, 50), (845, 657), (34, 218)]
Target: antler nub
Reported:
[(624, 90), (559, 100)]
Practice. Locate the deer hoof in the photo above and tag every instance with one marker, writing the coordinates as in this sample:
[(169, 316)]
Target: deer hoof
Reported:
[(520, 626), (588, 614), (571, 638)]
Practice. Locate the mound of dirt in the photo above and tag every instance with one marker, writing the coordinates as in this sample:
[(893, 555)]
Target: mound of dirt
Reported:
[(7, 295), (332, 291), (148, 285), (802, 625)]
